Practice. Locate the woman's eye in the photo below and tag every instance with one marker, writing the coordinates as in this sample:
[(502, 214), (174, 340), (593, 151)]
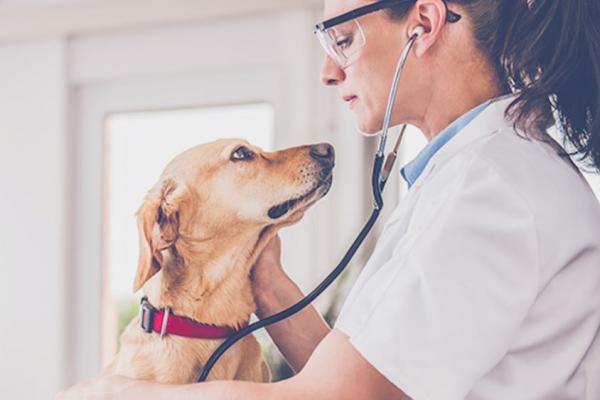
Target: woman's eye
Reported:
[(344, 42), (242, 153)]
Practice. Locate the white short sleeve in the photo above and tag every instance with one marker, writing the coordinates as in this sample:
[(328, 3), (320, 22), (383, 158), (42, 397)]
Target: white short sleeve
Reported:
[(441, 312)]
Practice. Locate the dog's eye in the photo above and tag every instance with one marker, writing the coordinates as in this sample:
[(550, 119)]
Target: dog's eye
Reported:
[(242, 153)]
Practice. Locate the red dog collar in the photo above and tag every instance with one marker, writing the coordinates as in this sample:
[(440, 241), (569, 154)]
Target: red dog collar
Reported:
[(165, 322)]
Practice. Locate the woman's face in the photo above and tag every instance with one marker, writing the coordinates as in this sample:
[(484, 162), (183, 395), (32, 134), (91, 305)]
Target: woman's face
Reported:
[(364, 84)]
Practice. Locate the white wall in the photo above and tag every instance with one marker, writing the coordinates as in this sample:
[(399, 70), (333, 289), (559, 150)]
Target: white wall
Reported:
[(32, 175)]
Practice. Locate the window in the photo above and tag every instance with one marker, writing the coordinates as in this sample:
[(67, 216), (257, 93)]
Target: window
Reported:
[(594, 181), (412, 143)]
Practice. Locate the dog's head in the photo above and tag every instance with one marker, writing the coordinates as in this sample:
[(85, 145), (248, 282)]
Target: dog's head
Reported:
[(224, 189)]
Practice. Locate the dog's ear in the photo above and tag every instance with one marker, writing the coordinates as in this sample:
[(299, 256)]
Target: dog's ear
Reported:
[(158, 228)]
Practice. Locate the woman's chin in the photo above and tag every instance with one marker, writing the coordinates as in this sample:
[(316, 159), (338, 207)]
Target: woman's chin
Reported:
[(368, 128)]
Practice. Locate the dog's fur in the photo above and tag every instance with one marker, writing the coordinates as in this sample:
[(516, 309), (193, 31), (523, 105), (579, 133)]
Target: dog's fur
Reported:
[(201, 228)]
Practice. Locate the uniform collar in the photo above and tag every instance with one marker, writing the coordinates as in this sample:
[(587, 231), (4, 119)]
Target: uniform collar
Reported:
[(473, 119)]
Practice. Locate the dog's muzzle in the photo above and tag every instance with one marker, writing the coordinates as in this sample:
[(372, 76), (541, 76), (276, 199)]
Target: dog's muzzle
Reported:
[(324, 154)]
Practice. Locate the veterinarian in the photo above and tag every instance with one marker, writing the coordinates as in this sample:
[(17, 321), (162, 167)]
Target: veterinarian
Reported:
[(485, 282)]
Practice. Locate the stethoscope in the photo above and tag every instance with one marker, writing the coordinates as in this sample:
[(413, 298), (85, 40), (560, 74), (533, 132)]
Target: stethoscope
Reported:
[(381, 172)]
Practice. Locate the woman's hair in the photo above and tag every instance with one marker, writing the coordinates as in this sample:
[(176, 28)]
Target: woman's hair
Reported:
[(548, 53)]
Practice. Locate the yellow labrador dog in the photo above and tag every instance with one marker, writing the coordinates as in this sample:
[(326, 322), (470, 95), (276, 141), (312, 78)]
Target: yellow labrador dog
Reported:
[(201, 228)]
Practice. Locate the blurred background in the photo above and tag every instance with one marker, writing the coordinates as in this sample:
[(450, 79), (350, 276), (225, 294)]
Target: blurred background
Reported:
[(96, 96)]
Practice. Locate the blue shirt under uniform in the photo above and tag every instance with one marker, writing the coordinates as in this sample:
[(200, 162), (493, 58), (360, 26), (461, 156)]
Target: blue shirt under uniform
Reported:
[(411, 171)]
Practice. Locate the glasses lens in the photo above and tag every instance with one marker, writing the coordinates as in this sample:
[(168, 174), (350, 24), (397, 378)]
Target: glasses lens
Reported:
[(343, 42)]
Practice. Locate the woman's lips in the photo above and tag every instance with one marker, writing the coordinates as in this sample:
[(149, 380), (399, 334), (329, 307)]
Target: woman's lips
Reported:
[(350, 100)]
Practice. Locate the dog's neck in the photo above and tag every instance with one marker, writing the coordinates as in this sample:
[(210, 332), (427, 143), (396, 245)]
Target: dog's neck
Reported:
[(210, 282)]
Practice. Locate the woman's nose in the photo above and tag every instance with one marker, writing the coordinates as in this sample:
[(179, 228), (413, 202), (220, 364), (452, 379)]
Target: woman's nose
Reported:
[(331, 73)]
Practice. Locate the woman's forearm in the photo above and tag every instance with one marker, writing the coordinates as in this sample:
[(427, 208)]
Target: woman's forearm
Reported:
[(204, 391), (216, 390), (336, 370), (297, 336)]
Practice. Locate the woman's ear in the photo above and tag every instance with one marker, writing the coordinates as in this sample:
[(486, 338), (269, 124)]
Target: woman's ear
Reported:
[(158, 228), (431, 15)]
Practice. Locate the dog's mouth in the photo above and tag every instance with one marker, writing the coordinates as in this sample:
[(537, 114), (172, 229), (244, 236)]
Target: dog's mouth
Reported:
[(322, 187)]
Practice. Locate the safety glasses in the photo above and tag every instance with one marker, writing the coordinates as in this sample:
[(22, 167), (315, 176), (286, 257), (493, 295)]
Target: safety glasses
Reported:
[(342, 37)]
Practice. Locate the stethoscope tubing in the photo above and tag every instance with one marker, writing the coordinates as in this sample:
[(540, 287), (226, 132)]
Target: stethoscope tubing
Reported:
[(393, 91), (308, 299)]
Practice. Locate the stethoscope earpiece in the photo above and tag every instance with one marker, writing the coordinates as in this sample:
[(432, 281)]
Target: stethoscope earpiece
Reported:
[(418, 31)]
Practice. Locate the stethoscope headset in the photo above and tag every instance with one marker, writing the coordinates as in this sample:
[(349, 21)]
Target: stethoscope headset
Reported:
[(381, 172)]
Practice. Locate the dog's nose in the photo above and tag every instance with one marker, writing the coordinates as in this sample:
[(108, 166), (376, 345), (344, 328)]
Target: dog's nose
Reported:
[(323, 152)]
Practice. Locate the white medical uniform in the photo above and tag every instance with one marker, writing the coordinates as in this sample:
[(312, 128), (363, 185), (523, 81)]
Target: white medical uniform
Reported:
[(485, 282)]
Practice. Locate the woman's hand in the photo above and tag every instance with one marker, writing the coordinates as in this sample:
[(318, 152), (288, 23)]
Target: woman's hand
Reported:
[(103, 388), (267, 270)]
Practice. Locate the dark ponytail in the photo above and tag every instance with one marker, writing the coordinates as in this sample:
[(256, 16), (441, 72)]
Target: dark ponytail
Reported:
[(548, 52), (551, 57)]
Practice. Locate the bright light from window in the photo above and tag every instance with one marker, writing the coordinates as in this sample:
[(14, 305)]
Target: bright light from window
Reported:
[(594, 180), (412, 143)]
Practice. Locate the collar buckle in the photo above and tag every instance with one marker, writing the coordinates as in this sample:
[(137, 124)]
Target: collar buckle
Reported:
[(146, 315)]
